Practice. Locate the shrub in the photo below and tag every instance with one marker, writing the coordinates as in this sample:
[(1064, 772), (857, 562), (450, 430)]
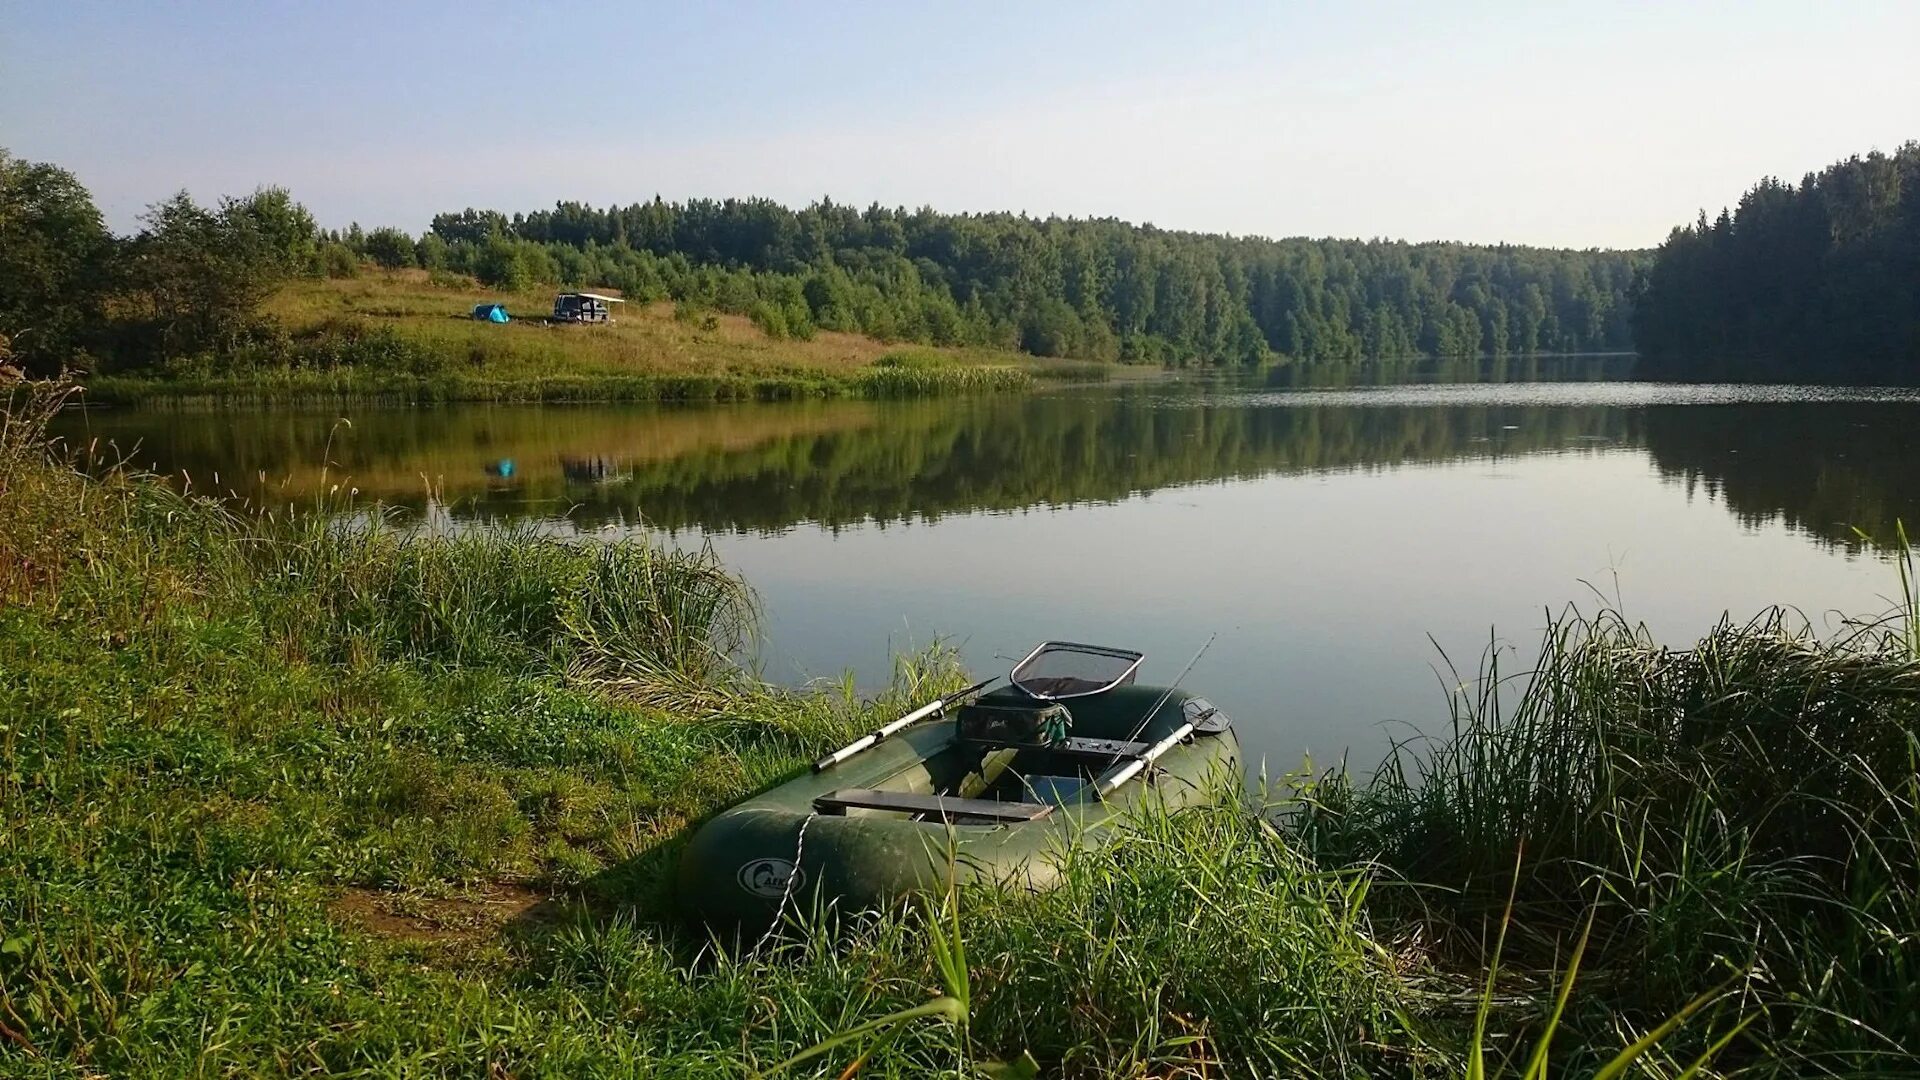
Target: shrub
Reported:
[(345, 343), (449, 279), (390, 248), (499, 265), (431, 252), (770, 319), (338, 261), (799, 321)]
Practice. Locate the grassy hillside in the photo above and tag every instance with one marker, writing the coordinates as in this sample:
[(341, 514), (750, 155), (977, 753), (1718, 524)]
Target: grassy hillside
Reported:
[(404, 335), (643, 338)]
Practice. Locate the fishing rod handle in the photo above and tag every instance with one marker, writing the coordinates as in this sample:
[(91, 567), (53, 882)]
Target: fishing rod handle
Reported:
[(913, 717), (1113, 780), (867, 741), (931, 708)]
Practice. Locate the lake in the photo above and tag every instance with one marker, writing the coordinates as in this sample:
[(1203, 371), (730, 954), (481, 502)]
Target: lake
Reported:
[(1336, 538)]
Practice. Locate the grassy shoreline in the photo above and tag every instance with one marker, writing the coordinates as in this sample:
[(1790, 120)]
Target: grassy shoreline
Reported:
[(286, 798), (285, 388), (396, 337)]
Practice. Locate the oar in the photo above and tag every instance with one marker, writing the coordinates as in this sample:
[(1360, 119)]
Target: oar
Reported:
[(931, 708)]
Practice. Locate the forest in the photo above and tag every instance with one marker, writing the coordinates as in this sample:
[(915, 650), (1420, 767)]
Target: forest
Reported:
[(1094, 288), (187, 286), (1819, 282)]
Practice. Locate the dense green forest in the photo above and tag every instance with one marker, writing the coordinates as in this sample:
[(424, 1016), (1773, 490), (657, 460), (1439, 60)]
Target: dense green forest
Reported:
[(1815, 282), (189, 283), (1095, 288), (1818, 281)]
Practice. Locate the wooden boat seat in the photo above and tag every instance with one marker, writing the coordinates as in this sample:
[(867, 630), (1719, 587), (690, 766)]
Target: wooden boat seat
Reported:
[(944, 806)]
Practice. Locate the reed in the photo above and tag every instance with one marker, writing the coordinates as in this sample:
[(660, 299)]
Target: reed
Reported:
[(1742, 809), (282, 387), (926, 381)]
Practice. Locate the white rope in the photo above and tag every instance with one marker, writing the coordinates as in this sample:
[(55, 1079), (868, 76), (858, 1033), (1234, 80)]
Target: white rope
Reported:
[(786, 894)]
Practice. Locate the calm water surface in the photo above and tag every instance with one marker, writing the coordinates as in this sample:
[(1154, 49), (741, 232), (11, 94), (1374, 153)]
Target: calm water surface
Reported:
[(1330, 535)]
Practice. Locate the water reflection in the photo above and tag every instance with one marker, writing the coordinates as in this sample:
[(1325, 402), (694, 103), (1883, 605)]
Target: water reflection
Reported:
[(1823, 460), (767, 468), (1324, 532), (1827, 469)]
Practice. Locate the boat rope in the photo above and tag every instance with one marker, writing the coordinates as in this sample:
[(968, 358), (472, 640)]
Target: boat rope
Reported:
[(786, 894)]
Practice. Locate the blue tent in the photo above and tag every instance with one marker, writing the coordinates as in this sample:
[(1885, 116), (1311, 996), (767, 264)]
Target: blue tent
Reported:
[(491, 312)]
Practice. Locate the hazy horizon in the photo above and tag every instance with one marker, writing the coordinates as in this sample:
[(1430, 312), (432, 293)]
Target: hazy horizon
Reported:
[(1596, 126)]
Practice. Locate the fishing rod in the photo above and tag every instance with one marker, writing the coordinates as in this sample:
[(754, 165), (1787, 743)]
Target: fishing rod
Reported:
[(931, 708), (1114, 777)]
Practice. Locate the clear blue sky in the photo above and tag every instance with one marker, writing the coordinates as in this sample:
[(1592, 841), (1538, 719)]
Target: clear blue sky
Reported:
[(1548, 123)]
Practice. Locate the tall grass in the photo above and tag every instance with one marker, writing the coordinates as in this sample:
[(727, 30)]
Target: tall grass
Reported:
[(900, 381), (649, 620), (1202, 942), (654, 624), (1743, 809), (1909, 588), (290, 386)]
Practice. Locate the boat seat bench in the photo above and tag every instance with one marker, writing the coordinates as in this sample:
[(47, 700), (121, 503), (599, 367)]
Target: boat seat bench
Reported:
[(839, 802)]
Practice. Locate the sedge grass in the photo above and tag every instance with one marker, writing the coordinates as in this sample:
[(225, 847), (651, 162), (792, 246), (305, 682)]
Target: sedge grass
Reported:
[(1743, 809), (302, 387)]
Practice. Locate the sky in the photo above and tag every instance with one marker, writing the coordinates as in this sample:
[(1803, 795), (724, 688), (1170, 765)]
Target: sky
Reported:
[(1576, 125)]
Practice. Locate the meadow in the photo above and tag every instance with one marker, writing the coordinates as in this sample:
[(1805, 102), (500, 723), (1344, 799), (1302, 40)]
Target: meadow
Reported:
[(406, 336), (311, 794)]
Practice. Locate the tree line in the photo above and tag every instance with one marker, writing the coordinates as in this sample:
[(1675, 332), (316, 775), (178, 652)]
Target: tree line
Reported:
[(1094, 288), (189, 281), (1818, 281)]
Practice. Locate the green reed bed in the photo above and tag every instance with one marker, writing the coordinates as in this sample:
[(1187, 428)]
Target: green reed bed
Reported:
[(1739, 814), (299, 796), (880, 381), (296, 386)]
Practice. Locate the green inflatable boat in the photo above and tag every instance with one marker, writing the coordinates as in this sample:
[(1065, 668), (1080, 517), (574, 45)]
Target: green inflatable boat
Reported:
[(1017, 775)]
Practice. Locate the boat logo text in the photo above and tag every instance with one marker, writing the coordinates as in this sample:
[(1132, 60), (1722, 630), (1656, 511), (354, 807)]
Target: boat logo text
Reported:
[(769, 878)]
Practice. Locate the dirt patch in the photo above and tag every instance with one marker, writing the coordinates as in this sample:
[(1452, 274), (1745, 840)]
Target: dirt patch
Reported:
[(441, 920)]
